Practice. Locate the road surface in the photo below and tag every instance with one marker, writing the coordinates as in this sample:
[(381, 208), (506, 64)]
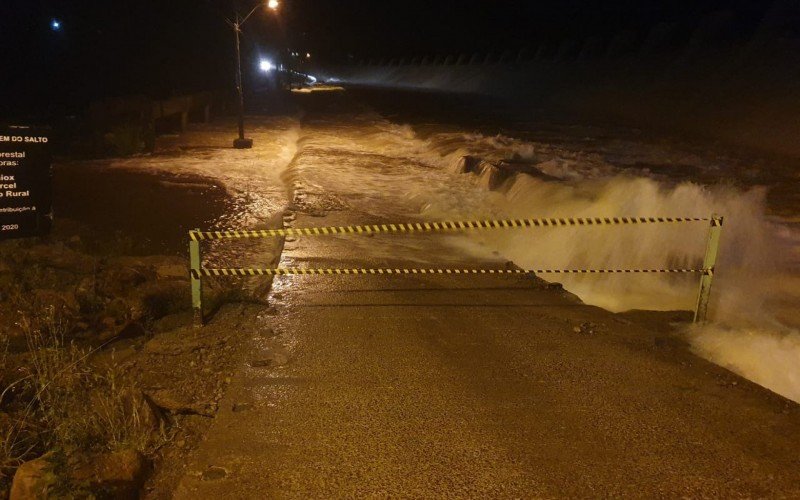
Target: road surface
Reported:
[(442, 386)]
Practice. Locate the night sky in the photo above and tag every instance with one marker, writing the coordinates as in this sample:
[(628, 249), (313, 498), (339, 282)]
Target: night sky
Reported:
[(159, 47)]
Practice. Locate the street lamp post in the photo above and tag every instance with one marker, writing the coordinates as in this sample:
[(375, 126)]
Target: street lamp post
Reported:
[(241, 142)]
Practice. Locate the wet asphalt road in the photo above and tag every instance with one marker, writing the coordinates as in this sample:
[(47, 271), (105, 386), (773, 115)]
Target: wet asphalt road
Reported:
[(430, 387), (436, 387)]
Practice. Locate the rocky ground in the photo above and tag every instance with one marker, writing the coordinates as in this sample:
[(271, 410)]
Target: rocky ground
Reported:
[(125, 318), (101, 369)]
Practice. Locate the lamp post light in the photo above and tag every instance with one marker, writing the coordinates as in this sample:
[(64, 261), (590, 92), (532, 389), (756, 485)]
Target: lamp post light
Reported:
[(242, 142)]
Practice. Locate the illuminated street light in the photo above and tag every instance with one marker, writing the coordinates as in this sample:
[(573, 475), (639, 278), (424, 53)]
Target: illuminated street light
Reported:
[(241, 142), (55, 25), (266, 66)]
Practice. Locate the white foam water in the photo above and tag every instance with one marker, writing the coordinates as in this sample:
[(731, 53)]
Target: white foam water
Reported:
[(756, 287), (757, 284)]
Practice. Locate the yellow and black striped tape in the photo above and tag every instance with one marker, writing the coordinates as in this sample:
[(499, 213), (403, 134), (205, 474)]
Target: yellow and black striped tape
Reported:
[(426, 227), (197, 274)]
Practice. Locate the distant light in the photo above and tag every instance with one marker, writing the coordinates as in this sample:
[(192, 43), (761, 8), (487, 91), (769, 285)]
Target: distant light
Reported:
[(312, 78), (55, 25), (266, 66), (308, 55), (273, 4)]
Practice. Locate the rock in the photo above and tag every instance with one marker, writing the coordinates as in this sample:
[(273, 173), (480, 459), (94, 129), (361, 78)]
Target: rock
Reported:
[(119, 474), (270, 359), (60, 257), (179, 405), (108, 322), (132, 330), (114, 357), (214, 473), (86, 294), (162, 298), (33, 479), (153, 300), (239, 407), (117, 281), (62, 303), (123, 310), (172, 271), (148, 414), (173, 322)]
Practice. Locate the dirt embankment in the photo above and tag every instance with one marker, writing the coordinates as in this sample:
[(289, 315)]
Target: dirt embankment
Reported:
[(102, 375)]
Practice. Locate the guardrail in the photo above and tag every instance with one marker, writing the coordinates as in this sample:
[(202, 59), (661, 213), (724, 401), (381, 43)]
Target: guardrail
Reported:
[(197, 271)]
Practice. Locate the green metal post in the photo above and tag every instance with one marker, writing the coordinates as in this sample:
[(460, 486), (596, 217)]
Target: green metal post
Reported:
[(197, 282), (709, 263)]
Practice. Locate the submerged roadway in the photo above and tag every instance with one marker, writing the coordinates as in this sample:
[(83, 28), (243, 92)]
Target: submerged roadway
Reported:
[(463, 386)]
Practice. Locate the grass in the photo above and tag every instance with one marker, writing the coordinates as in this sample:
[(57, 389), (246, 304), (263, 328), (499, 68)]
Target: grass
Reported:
[(60, 403), (18, 442)]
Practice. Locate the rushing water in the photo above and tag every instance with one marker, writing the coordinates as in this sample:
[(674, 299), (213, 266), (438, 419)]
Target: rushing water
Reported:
[(409, 165), (594, 173)]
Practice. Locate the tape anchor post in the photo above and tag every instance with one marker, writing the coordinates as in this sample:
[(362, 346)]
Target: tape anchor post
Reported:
[(196, 276), (709, 264)]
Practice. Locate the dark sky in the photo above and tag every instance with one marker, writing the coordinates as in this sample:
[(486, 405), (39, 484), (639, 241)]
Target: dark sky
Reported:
[(156, 47), (412, 26)]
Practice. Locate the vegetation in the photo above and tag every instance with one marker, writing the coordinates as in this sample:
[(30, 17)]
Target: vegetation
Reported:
[(59, 402)]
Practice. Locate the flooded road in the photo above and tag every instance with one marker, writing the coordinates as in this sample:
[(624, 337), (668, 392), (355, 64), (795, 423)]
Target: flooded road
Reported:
[(436, 386), (413, 147), (604, 171), (478, 379)]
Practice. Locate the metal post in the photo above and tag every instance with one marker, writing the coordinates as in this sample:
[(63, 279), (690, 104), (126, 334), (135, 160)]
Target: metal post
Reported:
[(237, 30), (240, 142), (195, 264), (709, 263)]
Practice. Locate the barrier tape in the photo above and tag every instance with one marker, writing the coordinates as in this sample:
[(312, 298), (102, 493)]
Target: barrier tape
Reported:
[(196, 274), (424, 227)]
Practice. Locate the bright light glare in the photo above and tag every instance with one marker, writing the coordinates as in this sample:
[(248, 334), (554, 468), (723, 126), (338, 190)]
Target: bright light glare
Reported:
[(273, 4), (308, 55), (266, 66), (55, 24)]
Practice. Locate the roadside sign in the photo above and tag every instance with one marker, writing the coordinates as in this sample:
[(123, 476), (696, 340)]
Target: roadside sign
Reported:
[(25, 182)]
